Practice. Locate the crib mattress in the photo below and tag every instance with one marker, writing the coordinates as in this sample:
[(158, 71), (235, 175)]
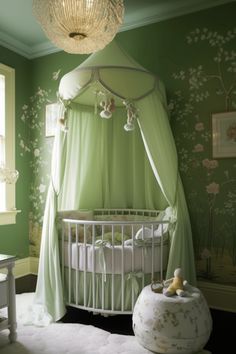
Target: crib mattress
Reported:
[(115, 259)]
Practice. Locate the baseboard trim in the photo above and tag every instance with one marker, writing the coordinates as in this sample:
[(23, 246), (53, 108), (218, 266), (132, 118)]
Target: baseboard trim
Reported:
[(218, 296), (34, 264), (24, 266)]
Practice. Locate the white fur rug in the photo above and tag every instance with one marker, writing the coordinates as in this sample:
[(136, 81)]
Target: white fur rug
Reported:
[(68, 339), (64, 338)]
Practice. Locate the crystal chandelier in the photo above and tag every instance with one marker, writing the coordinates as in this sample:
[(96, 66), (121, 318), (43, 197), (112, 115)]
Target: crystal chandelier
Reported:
[(7, 175), (79, 26)]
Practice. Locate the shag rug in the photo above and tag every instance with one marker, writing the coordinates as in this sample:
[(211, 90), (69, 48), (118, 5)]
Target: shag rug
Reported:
[(65, 338)]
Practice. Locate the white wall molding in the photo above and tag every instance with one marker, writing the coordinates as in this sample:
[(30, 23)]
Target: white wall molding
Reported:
[(165, 11), (218, 296), (42, 49), (152, 14), (14, 45)]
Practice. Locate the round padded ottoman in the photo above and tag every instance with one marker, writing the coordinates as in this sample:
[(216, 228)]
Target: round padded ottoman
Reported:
[(172, 324)]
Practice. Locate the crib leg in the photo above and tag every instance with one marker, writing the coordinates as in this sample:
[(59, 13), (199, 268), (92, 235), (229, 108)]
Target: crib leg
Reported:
[(105, 314)]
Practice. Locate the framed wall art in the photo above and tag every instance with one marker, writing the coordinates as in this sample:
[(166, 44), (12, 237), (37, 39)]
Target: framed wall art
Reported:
[(52, 112), (224, 134)]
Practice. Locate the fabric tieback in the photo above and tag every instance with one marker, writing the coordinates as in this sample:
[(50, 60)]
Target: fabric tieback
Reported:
[(64, 106), (101, 244), (133, 277)]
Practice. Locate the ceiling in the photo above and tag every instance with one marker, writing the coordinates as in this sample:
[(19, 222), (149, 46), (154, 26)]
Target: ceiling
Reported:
[(20, 32)]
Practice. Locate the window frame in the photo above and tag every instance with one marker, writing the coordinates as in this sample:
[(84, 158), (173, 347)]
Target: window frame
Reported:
[(8, 216)]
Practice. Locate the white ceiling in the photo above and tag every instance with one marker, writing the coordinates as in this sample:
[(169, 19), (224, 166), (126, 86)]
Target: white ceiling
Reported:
[(20, 32)]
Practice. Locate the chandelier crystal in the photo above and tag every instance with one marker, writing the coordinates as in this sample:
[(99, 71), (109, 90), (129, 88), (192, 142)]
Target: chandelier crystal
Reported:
[(7, 175), (79, 26)]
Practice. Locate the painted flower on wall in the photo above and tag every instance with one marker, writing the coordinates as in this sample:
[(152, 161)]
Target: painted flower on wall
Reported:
[(199, 126), (210, 164), (42, 188), (213, 188), (36, 152), (198, 148)]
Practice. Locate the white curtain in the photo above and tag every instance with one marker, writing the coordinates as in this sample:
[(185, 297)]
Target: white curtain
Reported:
[(49, 292), (160, 147)]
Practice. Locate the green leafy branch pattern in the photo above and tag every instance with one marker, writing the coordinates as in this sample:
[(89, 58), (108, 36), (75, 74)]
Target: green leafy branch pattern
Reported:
[(38, 148), (210, 184)]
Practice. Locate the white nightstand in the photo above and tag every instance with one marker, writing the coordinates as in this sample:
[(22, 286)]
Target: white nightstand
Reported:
[(7, 296)]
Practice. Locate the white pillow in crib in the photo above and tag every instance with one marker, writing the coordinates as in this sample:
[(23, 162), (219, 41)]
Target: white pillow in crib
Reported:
[(161, 230), (128, 242), (146, 232), (143, 233)]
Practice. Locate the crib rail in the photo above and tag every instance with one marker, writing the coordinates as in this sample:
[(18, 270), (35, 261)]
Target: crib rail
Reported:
[(106, 263), (135, 212)]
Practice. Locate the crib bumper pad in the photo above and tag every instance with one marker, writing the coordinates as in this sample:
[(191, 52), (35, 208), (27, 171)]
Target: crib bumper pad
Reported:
[(107, 259)]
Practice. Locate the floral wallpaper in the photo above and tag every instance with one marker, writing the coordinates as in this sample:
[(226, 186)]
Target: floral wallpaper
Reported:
[(209, 183), (39, 148)]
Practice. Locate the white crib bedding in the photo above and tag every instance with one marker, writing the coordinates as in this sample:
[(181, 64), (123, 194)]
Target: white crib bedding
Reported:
[(106, 296), (81, 257)]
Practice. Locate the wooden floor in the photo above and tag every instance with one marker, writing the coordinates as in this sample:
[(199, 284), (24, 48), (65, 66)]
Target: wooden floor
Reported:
[(221, 341)]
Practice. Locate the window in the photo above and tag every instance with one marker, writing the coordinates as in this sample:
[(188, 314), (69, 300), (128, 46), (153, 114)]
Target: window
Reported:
[(2, 138), (7, 142)]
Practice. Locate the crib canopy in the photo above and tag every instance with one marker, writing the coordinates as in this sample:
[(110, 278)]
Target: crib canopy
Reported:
[(111, 69), (114, 71)]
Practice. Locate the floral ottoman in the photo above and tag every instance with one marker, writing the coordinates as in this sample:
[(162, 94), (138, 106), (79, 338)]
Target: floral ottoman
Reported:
[(172, 324)]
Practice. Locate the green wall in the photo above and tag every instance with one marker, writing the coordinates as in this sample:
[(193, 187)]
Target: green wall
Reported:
[(14, 239), (194, 55)]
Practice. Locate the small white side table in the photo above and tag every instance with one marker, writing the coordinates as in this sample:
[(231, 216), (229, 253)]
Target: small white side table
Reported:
[(7, 296)]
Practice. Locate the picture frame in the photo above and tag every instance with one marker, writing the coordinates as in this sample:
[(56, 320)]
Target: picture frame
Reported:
[(224, 135), (51, 117)]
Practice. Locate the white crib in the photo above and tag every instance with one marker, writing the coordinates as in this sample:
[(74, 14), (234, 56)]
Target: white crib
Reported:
[(108, 259)]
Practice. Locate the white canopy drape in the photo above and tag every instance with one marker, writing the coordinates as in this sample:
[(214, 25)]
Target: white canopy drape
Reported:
[(114, 71)]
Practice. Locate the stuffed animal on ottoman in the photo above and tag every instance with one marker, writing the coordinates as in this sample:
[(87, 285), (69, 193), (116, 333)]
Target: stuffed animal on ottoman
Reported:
[(175, 285)]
